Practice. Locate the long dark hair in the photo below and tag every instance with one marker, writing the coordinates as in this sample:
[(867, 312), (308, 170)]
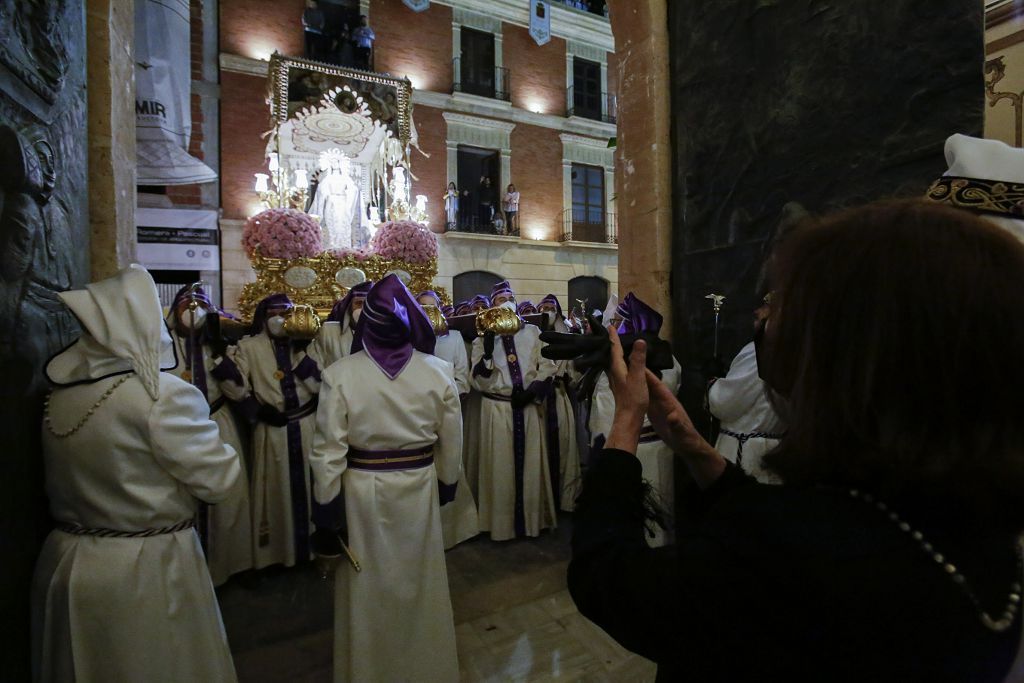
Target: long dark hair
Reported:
[(896, 334)]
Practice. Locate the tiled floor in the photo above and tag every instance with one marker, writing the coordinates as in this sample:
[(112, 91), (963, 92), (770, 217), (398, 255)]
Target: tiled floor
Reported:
[(514, 620)]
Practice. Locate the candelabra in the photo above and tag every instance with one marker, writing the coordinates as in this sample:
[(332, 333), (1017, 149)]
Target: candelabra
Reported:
[(280, 189)]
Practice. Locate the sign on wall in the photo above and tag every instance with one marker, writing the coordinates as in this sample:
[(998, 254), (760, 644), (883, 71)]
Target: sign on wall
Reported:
[(540, 21), (417, 5), (177, 239), (163, 99)]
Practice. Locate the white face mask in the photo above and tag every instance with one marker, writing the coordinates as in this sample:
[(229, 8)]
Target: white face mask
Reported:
[(550, 316), (510, 305), (192, 320), (275, 326)]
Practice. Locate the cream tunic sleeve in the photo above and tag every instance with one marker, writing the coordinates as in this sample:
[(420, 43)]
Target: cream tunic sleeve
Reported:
[(187, 443), (328, 458), (448, 449)]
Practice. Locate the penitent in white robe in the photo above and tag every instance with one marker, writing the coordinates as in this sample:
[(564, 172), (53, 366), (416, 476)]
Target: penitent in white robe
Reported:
[(656, 459), (471, 430), (740, 402), (334, 341), (499, 489), (393, 620), (229, 522), (130, 609), (459, 519), (558, 407), (273, 518)]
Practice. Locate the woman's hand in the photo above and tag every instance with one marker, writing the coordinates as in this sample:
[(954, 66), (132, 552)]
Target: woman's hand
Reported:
[(673, 424), (629, 387)]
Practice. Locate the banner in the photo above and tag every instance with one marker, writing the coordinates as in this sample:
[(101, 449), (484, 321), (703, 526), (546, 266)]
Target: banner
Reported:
[(163, 95), (178, 239), (540, 21), (417, 5)]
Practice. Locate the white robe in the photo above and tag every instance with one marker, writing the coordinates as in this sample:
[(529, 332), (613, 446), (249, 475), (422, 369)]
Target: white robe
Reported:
[(334, 341), (130, 609), (740, 401), (459, 519), (270, 492), (496, 454), (337, 203), (569, 477), (656, 459), (393, 620), (229, 522), (471, 432)]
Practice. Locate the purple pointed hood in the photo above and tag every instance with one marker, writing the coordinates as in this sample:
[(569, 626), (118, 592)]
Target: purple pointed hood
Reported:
[(392, 326), (480, 299), (259, 317), (638, 317), (433, 295), (462, 308), (342, 308), (449, 311), (526, 308), (552, 299), (502, 287)]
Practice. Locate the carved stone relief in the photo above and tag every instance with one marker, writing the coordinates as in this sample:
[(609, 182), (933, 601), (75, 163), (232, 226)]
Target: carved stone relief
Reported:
[(44, 237)]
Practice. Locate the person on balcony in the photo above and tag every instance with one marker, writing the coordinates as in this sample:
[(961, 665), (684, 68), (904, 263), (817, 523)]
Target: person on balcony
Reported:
[(485, 200), (363, 37), (314, 24), (510, 205), (451, 207)]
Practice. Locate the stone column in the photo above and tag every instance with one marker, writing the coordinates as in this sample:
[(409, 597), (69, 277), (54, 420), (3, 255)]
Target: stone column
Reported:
[(643, 169), (111, 68)]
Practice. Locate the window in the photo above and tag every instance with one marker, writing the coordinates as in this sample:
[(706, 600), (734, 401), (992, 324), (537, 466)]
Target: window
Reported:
[(467, 285), (589, 289), (478, 199), (586, 89), (588, 216), (475, 72)]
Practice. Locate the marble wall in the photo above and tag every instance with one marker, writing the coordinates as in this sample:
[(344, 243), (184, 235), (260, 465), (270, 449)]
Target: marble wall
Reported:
[(822, 103)]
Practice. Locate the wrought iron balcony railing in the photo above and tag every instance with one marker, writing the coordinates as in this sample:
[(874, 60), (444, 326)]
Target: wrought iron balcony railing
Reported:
[(589, 225), (485, 82), (591, 105)]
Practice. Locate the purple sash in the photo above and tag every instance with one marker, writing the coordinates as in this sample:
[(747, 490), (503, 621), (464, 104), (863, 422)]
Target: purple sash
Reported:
[(297, 471)]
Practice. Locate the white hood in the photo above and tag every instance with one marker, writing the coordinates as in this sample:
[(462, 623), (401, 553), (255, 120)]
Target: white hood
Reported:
[(123, 330)]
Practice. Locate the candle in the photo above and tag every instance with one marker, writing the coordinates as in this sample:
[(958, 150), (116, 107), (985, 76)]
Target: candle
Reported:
[(261, 182), (301, 179)]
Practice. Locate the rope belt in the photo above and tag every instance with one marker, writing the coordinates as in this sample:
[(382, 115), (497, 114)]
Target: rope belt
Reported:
[(496, 397), (743, 438), (389, 461), (79, 530)]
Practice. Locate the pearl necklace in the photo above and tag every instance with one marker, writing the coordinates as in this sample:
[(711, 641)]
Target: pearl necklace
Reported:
[(88, 414), (999, 625)]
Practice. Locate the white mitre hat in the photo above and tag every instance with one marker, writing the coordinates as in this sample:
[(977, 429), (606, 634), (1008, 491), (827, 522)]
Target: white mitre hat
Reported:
[(123, 331), (985, 177)]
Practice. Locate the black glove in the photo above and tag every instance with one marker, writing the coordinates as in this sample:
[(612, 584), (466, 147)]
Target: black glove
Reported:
[(271, 416), (218, 345), (326, 543), (301, 344), (488, 345), (523, 398)]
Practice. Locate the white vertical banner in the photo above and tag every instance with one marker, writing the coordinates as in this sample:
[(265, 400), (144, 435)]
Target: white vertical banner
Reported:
[(417, 5), (540, 21), (163, 95)]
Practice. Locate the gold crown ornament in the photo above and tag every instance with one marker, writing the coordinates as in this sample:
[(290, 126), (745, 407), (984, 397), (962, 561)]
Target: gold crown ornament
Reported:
[(437, 319), (499, 320), (302, 322)]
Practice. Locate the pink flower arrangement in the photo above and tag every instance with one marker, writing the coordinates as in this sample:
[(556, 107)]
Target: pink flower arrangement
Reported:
[(282, 233), (405, 241), (357, 254)]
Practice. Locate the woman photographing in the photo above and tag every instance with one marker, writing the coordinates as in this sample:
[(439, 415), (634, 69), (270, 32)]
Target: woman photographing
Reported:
[(891, 552)]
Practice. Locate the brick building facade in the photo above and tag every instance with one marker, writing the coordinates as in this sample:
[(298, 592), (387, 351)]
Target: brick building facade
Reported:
[(537, 141)]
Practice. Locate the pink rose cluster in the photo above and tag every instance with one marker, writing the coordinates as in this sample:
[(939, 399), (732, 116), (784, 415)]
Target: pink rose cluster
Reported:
[(357, 254), (405, 241), (282, 233)]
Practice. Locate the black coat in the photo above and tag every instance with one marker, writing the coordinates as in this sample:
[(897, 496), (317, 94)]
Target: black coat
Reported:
[(777, 583)]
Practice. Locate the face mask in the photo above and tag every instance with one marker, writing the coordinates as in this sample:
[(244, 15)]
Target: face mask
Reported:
[(192, 320), (510, 305), (549, 316), (275, 326)]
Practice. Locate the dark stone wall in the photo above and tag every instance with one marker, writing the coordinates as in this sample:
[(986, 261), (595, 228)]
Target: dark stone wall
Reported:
[(44, 248), (825, 103)]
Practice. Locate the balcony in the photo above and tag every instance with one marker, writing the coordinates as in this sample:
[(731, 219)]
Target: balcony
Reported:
[(472, 225), (593, 225), (591, 105), (491, 82), (598, 7)]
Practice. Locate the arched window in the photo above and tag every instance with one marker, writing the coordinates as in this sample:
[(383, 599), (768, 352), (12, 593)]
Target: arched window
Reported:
[(593, 290), (472, 282)]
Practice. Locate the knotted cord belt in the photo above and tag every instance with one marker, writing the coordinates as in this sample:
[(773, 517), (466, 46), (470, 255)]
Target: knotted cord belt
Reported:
[(79, 530), (743, 438)]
